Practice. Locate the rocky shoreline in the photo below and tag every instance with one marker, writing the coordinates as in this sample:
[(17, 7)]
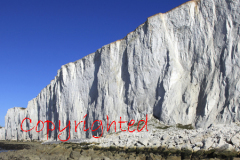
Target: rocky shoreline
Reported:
[(82, 151), (159, 142)]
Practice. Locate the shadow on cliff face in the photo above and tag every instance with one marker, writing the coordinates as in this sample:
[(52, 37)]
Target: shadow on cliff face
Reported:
[(125, 75), (160, 91), (202, 100), (93, 94)]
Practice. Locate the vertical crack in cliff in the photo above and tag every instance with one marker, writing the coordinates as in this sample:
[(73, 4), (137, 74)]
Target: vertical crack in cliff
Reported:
[(93, 94), (38, 112), (160, 91), (87, 124), (226, 94), (49, 110), (53, 99), (225, 82), (202, 100), (125, 75), (222, 63)]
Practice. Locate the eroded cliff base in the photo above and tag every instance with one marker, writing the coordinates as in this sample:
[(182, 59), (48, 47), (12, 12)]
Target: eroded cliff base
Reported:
[(157, 141), (89, 151)]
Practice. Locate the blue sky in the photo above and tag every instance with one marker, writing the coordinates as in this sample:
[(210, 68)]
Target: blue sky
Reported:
[(37, 37)]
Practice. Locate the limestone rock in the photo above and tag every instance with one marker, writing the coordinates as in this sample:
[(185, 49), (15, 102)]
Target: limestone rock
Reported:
[(207, 143), (187, 146), (227, 147), (236, 140), (165, 137), (2, 133), (182, 66), (13, 121)]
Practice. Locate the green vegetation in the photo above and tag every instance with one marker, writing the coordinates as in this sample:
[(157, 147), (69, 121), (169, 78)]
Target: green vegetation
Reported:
[(164, 152), (225, 154), (136, 124), (97, 148), (186, 154), (189, 126), (163, 127), (141, 124), (114, 132), (113, 148), (84, 144)]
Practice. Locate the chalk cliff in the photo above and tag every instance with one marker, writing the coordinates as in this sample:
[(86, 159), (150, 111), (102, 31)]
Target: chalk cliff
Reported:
[(182, 66), (2, 133)]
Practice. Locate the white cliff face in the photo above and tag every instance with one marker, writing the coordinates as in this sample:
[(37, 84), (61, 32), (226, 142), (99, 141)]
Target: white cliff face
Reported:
[(182, 66), (13, 121), (2, 133)]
